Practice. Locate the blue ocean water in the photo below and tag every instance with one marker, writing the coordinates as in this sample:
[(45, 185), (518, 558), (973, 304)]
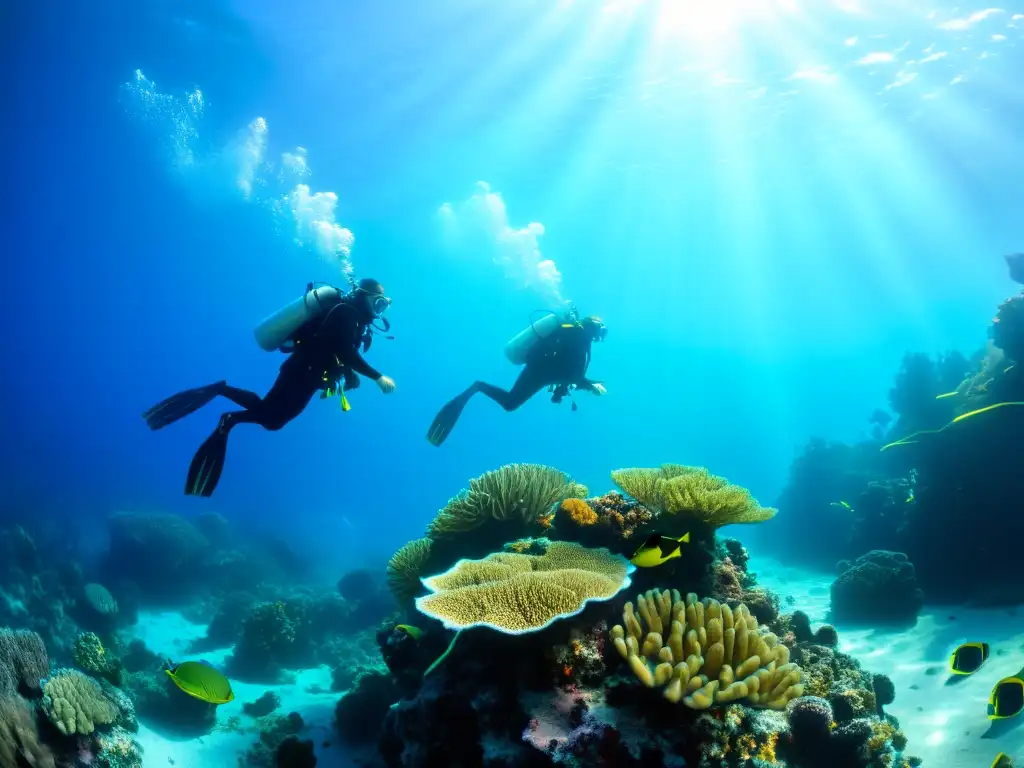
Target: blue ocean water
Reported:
[(768, 203)]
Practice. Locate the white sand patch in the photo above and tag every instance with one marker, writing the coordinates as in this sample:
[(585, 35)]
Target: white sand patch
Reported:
[(168, 634), (944, 720)]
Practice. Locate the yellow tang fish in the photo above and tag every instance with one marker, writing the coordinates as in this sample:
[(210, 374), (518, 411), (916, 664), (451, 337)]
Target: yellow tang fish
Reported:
[(658, 549)]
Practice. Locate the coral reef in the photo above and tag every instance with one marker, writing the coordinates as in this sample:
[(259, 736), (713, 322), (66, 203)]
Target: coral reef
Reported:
[(274, 730), (361, 711), (75, 703), (517, 593), (879, 587), (20, 743), (91, 656), (23, 661), (704, 653)]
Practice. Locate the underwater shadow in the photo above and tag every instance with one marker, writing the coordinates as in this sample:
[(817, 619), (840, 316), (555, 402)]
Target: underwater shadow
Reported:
[(999, 728)]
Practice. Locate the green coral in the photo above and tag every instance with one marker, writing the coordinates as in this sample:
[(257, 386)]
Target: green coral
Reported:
[(522, 494), (75, 703), (90, 656), (406, 567)]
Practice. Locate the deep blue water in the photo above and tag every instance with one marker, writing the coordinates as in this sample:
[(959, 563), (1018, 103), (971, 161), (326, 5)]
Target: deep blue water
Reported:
[(765, 225)]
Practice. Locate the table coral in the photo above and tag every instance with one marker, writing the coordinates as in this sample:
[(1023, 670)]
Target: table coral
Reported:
[(693, 493), (516, 593), (712, 655)]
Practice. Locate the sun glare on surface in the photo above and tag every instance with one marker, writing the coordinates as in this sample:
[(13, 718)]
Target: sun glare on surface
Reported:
[(702, 22)]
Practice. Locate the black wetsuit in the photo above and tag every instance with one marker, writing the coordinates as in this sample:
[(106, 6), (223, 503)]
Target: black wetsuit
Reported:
[(561, 361), (324, 352)]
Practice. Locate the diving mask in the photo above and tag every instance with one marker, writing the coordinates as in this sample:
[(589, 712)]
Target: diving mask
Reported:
[(379, 304)]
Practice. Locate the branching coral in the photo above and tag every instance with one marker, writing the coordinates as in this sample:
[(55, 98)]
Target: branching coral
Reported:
[(75, 703), (713, 654), (521, 493), (578, 511), (692, 493), (642, 484), (406, 567), (517, 594)]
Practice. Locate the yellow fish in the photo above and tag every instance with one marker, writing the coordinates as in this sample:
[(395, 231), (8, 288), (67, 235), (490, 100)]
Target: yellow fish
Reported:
[(1007, 697), (200, 680), (658, 549), (1002, 760), (968, 658), (414, 632)]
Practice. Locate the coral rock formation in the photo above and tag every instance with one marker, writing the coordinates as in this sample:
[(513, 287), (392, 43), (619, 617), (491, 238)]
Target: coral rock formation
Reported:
[(712, 654), (516, 593)]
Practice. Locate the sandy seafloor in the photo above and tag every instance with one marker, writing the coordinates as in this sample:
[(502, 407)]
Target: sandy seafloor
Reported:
[(944, 720)]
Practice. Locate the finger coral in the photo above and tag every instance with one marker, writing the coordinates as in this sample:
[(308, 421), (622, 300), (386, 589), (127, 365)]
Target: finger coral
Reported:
[(704, 652), (520, 493), (405, 569), (516, 594), (75, 703), (578, 511), (693, 493)]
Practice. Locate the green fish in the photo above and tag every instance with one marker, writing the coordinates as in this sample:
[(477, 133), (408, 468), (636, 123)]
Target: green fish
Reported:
[(1002, 760), (414, 632), (201, 681), (968, 658), (841, 505)]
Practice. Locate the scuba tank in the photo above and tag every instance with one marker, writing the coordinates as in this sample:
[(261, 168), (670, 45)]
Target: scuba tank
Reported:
[(519, 346), (279, 327)]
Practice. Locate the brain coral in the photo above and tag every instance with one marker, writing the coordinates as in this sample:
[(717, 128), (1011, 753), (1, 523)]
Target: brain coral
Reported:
[(518, 593), (713, 654), (75, 703)]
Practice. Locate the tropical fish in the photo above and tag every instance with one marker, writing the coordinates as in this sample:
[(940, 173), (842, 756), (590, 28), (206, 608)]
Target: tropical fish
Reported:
[(414, 632), (657, 550), (200, 680), (1002, 760), (1007, 697), (968, 658)]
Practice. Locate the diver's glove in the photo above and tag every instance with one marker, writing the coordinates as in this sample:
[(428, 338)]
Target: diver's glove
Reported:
[(386, 384), (598, 388)]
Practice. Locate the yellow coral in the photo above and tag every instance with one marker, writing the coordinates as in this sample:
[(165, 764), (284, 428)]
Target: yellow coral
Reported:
[(520, 493), (711, 499), (642, 484), (692, 492), (405, 568), (704, 652), (75, 703), (517, 593), (579, 511)]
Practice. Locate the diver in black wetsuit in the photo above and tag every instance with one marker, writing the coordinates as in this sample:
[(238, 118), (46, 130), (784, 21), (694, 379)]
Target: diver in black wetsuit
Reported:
[(324, 352), (558, 361)]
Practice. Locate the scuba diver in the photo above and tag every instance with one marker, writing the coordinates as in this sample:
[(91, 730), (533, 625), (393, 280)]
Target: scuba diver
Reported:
[(322, 332), (555, 352)]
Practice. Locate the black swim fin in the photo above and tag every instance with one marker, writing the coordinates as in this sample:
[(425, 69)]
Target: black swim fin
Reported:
[(207, 464), (446, 418), (181, 405)]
